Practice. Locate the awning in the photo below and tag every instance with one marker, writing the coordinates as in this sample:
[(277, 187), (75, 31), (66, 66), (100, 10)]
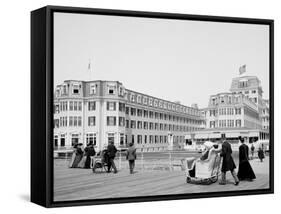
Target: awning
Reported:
[(254, 134), (187, 137), (215, 135), (233, 134), (201, 136)]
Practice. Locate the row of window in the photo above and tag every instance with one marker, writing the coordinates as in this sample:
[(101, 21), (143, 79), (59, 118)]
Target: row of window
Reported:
[(63, 121), (225, 111), (112, 121), (225, 123)]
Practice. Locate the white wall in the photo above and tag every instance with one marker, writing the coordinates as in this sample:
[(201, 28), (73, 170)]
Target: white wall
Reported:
[(15, 108)]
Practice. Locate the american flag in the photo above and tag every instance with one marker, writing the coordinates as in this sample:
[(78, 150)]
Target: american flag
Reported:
[(242, 69)]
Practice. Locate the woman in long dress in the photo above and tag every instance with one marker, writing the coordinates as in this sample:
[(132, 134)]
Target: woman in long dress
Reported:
[(77, 156), (245, 171)]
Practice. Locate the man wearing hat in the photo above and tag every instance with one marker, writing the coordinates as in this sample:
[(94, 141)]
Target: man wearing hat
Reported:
[(227, 162)]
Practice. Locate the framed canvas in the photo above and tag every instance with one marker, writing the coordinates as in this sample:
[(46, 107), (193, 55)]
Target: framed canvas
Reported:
[(131, 106)]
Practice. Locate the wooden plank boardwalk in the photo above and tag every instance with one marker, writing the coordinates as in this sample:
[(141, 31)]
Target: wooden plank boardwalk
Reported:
[(78, 184)]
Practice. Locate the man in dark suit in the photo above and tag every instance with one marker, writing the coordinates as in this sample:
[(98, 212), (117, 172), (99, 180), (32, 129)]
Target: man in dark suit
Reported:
[(227, 163), (131, 156), (111, 150)]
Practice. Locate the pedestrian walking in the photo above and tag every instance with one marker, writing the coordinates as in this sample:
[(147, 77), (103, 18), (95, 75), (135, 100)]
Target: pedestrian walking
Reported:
[(111, 150), (227, 163), (245, 171), (131, 156), (90, 153), (261, 154), (252, 150)]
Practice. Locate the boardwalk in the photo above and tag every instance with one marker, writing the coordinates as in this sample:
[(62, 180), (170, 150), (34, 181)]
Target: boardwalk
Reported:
[(75, 184)]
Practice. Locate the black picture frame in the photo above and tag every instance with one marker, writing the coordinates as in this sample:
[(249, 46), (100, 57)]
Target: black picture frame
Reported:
[(42, 103)]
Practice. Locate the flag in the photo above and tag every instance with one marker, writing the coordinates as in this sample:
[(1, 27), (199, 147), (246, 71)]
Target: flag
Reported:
[(242, 69)]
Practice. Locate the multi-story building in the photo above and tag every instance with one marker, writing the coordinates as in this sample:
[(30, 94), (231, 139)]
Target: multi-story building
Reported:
[(240, 112), (105, 111), (229, 110), (250, 86), (265, 115)]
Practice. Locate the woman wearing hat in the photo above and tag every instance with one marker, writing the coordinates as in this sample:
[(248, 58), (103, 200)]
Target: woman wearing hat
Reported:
[(77, 155)]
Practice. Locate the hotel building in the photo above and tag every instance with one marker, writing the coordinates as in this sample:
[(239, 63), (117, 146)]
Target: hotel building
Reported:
[(240, 112), (105, 111)]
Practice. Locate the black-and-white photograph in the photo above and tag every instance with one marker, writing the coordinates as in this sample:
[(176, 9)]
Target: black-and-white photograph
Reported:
[(157, 107)]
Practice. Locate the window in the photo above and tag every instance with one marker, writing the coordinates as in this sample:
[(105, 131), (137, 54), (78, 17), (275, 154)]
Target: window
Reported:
[(255, 100), (79, 106), (56, 123), (111, 89), (74, 139), (79, 121), (133, 124), (145, 125), (91, 121), (127, 123), (122, 107), (121, 142), (122, 121), (110, 138), (93, 89), (238, 111), (145, 113), (75, 106), (150, 126), (70, 121), (139, 112), (75, 120), (139, 139), (145, 100), (132, 98), (91, 139), (111, 106), (151, 114), (150, 138), (127, 110), (253, 91), (145, 138), (71, 105), (133, 138), (75, 88), (111, 121), (156, 139), (91, 105), (139, 99), (139, 125), (238, 123), (150, 101), (121, 91), (133, 112)]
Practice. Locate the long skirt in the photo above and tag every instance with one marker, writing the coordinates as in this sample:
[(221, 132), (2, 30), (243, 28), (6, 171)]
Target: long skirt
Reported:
[(245, 171), (82, 162), (76, 161)]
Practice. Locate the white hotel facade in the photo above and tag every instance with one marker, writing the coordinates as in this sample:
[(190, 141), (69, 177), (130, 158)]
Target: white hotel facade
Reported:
[(105, 111), (240, 112)]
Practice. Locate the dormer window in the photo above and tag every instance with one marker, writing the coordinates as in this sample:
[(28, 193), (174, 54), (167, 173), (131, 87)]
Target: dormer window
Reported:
[(75, 89), (111, 89), (121, 91), (132, 98), (145, 100), (64, 89), (93, 89), (139, 99), (150, 101), (155, 103)]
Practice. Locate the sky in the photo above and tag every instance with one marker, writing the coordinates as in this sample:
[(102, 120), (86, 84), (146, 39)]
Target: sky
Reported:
[(176, 60)]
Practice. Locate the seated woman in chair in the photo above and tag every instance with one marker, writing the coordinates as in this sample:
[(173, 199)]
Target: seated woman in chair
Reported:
[(208, 155)]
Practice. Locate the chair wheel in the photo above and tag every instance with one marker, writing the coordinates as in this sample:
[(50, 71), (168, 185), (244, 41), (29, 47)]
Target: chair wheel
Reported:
[(188, 179)]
